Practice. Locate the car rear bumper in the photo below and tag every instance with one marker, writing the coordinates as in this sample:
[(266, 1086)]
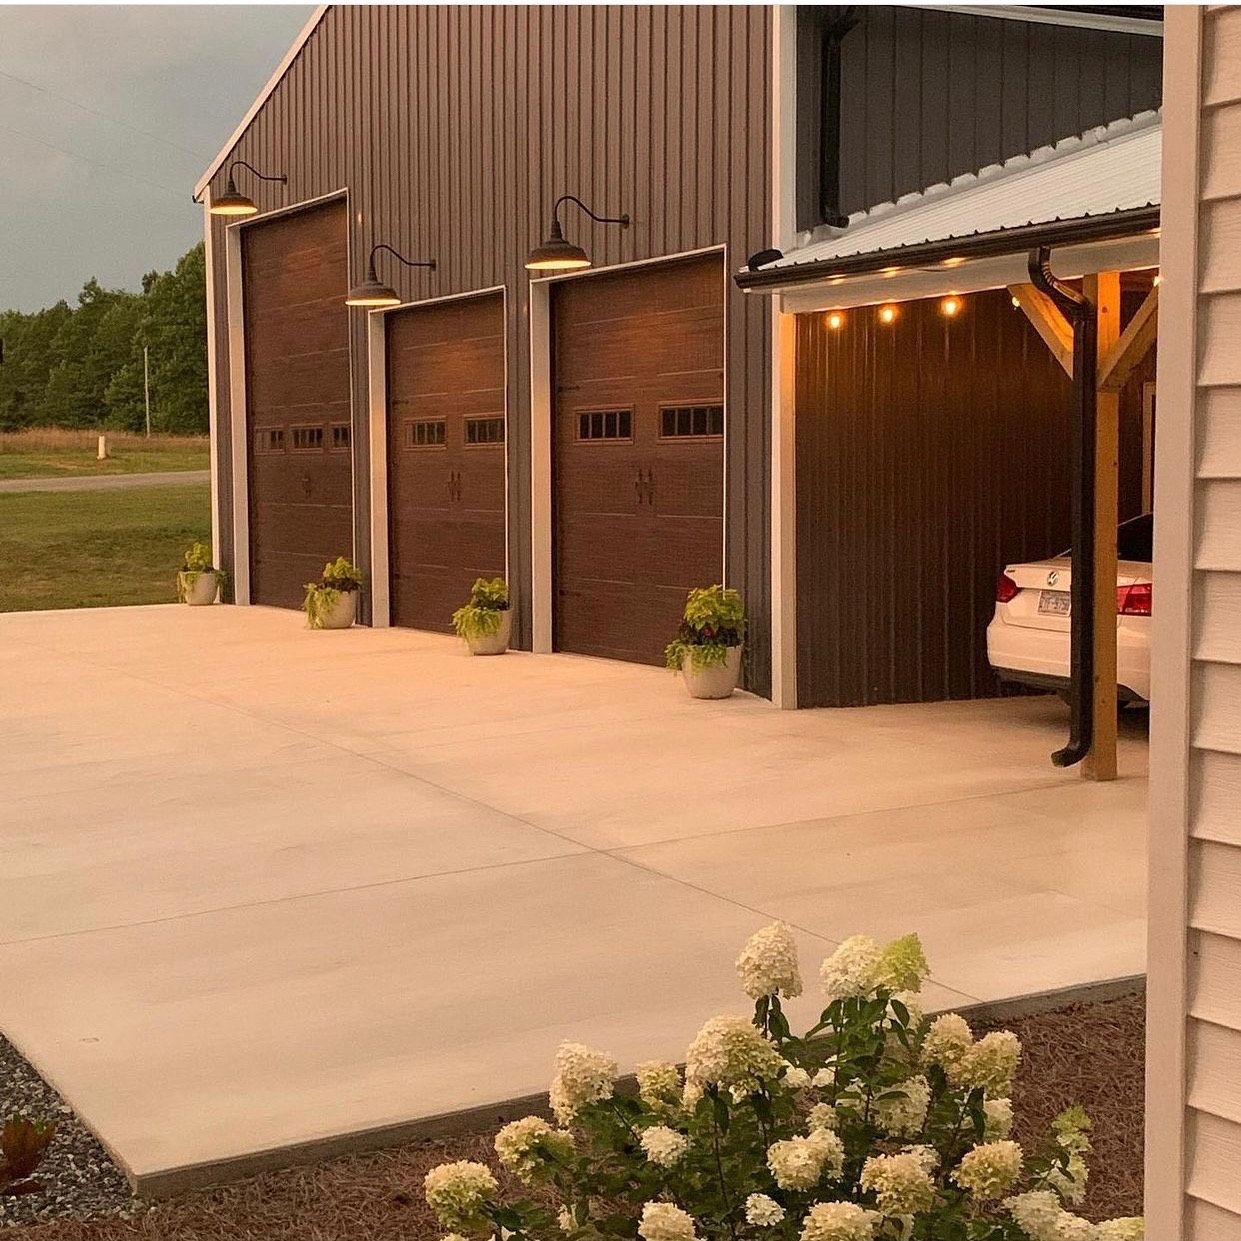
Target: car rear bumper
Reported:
[(1040, 657)]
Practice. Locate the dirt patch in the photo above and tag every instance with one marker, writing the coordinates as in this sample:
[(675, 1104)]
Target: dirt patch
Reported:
[(1087, 1053)]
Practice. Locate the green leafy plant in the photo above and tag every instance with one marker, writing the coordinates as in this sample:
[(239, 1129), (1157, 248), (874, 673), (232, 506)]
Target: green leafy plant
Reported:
[(23, 1143), (340, 576), (198, 562), (481, 617), (714, 620), (876, 1124)]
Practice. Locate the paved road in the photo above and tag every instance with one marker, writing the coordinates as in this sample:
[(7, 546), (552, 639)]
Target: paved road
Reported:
[(107, 482)]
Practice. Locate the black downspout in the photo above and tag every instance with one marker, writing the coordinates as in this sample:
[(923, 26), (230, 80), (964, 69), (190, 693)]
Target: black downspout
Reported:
[(829, 119), (1080, 313)]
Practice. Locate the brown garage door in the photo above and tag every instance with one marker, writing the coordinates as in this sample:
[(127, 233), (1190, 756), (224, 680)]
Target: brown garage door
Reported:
[(295, 275), (446, 432), (638, 470)]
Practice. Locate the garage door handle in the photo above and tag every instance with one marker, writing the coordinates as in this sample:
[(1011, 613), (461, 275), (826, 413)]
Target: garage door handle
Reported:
[(644, 486), (454, 484), (307, 485)]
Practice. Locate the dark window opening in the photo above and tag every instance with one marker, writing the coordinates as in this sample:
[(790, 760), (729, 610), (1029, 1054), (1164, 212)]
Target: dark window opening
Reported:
[(269, 439), (484, 431), (307, 439), (605, 424), (691, 421), (428, 433), (340, 437)]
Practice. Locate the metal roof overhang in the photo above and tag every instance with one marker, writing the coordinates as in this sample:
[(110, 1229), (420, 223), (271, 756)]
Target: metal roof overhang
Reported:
[(1120, 241)]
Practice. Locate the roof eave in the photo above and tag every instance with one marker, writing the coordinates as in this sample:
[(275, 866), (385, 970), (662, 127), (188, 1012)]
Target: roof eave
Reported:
[(979, 245)]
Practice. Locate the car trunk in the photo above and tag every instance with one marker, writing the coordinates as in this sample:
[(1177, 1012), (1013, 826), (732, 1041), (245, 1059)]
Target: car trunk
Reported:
[(1042, 601)]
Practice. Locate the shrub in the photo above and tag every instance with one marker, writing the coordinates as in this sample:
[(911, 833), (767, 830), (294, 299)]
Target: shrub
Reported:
[(480, 617), (714, 620), (875, 1125), (339, 576), (23, 1143), (198, 562)]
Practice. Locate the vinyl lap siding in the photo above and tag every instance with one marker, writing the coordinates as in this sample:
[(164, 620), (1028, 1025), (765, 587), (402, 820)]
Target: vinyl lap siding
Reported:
[(1211, 1202), (454, 128)]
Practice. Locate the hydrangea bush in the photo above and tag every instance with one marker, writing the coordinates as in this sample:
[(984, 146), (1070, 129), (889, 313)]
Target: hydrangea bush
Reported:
[(876, 1124)]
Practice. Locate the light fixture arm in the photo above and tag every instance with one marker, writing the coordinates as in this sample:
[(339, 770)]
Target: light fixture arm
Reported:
[(622, 220), (383, 245), (262, 176)]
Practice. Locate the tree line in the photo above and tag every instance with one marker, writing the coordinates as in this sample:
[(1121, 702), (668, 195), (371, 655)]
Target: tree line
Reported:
[(82, 366)]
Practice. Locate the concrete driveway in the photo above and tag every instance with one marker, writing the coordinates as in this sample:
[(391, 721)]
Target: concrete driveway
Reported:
[(262, 887)]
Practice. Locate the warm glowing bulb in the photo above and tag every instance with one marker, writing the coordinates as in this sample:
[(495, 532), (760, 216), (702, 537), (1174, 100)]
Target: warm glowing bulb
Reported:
[(887, 314), (835, 320), (1017, 302), (1157, 279), (949, 306)]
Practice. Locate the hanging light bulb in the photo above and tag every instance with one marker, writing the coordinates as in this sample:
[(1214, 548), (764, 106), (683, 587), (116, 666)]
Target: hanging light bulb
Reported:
[(835, 320), (950, 307), (887, 314)]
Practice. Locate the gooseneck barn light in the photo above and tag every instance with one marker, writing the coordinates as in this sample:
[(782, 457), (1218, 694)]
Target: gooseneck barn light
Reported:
[(371, 292), (557, 254), (232, 201)]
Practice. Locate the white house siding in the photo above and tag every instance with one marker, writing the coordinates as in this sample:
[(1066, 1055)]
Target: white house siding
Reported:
[(1194, 1065)]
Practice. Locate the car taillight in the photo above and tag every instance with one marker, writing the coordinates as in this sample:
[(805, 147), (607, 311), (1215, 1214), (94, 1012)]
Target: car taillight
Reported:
[(1006, 589), (1134, 600)]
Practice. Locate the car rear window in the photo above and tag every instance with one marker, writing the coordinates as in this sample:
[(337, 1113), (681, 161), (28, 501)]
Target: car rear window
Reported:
[(1135, 539)]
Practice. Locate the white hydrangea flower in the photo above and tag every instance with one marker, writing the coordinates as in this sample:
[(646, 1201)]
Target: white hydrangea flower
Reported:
[(1039, 1214), (901, 1183), (904, 1116), (990, 1170), (566, 1219), (1070, 1182), (850, 970), (762, 1211), (796, 1078), (825, 1078), (902, 965), (768, 963), (658, 1082), (663, 1221), (999, 1116), (800, 1163), (730, 1052), (947, 1041), (691, 1095), (456, 1192), (914, 1006), (522, 1146), (927, 1156), (583, 1076), (1127, 1228), (990, 1063), (823, 1116), (838, 1221), (664, 1146)]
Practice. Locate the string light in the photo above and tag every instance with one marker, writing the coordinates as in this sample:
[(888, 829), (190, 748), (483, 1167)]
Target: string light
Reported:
[(1017, 302), (835, 320), (1157, 279), (950, 306), (887, 314)]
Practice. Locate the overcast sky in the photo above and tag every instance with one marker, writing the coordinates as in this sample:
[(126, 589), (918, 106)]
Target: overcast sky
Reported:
[(108, 116)]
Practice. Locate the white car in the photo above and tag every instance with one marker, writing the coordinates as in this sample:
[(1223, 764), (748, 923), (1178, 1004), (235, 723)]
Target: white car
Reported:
[(1028, 638)]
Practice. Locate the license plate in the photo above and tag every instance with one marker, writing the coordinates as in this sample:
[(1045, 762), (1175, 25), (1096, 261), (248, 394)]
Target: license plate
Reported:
[(1054, 602)]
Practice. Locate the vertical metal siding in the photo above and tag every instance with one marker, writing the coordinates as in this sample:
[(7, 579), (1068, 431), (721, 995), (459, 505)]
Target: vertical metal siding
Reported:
[(927, 95), (455, 127)]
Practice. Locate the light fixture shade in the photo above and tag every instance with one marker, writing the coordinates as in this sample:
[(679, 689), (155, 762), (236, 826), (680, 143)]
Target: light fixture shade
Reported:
[(557, 254), (232, 202), (371, 292)]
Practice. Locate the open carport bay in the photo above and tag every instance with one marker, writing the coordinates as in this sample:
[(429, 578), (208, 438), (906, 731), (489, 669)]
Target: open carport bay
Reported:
[(262, 886)]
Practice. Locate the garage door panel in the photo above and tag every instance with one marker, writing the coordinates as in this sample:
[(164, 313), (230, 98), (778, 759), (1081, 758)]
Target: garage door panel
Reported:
[(294, 277), (446, 372), (638, 516)]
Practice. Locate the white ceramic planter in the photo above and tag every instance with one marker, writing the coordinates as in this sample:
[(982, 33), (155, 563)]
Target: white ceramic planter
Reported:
[(496, 643), (202, 591), (714, 681), (342, 613)]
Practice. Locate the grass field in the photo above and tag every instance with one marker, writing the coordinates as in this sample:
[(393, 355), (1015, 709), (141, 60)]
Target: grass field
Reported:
[(90, 549), (50, 452)]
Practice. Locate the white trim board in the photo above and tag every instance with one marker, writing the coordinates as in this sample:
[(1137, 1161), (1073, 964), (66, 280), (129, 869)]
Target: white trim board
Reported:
[(377, 414), (281, 69), (542, 509)]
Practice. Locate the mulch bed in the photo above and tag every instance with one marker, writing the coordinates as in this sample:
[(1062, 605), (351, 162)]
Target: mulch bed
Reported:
[(1090, 1054)]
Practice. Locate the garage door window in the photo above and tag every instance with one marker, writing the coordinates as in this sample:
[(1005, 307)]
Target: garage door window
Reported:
[(307, 439), (484, 431), (697, 422), (426, 433), (605, 424), (269, 439), (340, 437)]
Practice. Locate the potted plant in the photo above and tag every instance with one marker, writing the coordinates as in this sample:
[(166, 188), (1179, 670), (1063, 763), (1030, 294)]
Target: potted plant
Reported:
[(486, 622), (707, 648), (332, 603), (198, 581)]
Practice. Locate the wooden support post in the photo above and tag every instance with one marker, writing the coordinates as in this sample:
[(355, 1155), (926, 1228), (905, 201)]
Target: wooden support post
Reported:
[(1103, 291), (1047, 321)]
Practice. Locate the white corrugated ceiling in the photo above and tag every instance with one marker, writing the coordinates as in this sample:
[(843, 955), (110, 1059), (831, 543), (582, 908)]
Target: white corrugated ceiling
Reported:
[(1112, 168)]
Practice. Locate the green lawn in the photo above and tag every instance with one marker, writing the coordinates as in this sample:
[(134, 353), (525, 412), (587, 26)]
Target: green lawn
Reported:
[(50, 453), (90, 549)]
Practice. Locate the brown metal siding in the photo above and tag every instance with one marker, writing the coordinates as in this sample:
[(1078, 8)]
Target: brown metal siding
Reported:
[(927, 95), (454, 128), (639, 514)]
